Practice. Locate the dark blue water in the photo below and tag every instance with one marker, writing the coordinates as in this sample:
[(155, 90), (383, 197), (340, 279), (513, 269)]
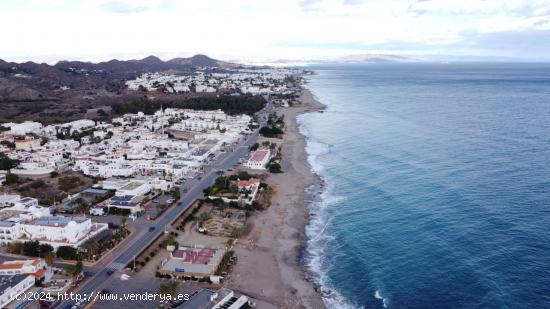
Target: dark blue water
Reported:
[(438, 185)]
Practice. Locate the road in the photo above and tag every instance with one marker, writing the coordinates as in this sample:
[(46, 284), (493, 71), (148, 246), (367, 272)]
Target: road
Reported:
[(133, 245)]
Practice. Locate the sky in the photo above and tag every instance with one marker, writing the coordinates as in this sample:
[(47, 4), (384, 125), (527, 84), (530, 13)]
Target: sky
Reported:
[(257, 30)]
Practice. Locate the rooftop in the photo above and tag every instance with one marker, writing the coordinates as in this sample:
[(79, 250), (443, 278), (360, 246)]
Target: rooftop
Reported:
[(18, 264), (259, 155), (57, 220), (95, 191), (6, 224), (247, 183), (132, 185), (200, 300), (10, 281)]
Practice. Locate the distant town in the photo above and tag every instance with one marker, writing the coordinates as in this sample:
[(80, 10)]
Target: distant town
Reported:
[(149, 189)]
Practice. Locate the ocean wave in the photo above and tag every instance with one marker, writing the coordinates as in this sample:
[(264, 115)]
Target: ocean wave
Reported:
[(384, 300), (314, 148), (318, 241), (318, 238)]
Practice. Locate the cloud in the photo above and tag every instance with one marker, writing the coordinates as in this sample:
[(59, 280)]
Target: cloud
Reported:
[(541, 23), (354, 2), (309, 5), (282, 28), (135, 6), (525, 44), (123, 7)]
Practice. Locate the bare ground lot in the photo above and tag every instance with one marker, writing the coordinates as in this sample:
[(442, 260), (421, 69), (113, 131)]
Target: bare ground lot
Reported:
[(50, 189)]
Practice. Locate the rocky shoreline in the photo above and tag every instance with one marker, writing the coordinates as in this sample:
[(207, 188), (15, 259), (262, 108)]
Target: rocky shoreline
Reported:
[(272, 255)]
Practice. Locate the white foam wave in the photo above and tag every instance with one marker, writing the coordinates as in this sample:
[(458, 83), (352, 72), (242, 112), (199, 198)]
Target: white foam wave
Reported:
[(316, 231), (314, 148), (377, 295)]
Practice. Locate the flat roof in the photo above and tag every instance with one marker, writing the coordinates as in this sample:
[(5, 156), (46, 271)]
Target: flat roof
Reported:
[(200, 300), (258, 155), (57, 221), (6, 224), (132, 185), (95, 191), (10, 281)]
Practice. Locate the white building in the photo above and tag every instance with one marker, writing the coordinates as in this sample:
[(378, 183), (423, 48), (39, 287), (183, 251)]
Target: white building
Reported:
[(21, 129), (36, 224), (12, 286), (27, 144), (123, 187), (258, 159), (9, 200), (37, 268), (16, 202), (248, 189)]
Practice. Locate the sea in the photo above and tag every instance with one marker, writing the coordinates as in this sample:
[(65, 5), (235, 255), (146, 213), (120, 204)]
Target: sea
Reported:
[(436, 185)]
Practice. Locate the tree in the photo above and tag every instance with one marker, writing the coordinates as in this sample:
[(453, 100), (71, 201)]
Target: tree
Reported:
[(170, 287), (177, 194), (7, 163), (67, 253), (31, 248), (15, 247), (11, 179), (50, 258), (275, 168), (271, 131), (92, 247), (172, 241), (75, 270), (44, 249)]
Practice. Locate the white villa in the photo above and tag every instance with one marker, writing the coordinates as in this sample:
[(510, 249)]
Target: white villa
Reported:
[(258, 159), (27, 221)]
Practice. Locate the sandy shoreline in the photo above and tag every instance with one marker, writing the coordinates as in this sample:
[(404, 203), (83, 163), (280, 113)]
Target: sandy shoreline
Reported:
[(270, 266)]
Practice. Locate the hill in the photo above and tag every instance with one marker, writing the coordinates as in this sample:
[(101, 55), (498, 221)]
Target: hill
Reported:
[(32, 90), (369, 58)]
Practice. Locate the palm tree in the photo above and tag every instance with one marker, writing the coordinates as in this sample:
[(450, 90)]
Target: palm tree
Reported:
[(75, 270), (50, 258)]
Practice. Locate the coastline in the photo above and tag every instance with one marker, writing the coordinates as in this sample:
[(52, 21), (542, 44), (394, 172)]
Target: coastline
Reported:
[(271, 255)]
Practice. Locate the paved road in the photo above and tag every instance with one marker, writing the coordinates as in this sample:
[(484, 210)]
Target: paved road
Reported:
[(140, 239)]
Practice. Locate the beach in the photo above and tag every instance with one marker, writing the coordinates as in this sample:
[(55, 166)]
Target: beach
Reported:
[(270, 266)]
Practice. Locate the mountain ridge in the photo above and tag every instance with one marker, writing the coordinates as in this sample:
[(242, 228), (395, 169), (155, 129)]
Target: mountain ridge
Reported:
[(69, 80), (368, 58)]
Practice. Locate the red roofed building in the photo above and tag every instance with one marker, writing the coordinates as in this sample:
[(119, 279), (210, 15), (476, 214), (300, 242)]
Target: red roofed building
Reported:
[(248, 190), (36, 268), (190, 261)]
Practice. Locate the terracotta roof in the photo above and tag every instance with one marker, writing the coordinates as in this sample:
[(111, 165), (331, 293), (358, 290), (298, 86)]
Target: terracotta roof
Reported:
[(259, 155), (40, 273), (247, 183), (11, 265)]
